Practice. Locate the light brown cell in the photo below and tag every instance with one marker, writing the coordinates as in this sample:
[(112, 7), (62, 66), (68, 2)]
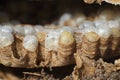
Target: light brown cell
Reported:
[(90, 43), (6, 55)]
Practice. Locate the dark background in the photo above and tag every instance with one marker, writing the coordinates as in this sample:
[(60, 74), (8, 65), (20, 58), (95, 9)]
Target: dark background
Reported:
[(44, 11)]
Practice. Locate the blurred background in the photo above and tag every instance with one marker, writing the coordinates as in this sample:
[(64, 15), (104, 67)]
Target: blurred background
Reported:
[(43, 11)]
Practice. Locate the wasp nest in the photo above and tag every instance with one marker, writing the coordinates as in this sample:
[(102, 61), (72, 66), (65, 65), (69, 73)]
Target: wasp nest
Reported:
[(31, 46), (115, 2)]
